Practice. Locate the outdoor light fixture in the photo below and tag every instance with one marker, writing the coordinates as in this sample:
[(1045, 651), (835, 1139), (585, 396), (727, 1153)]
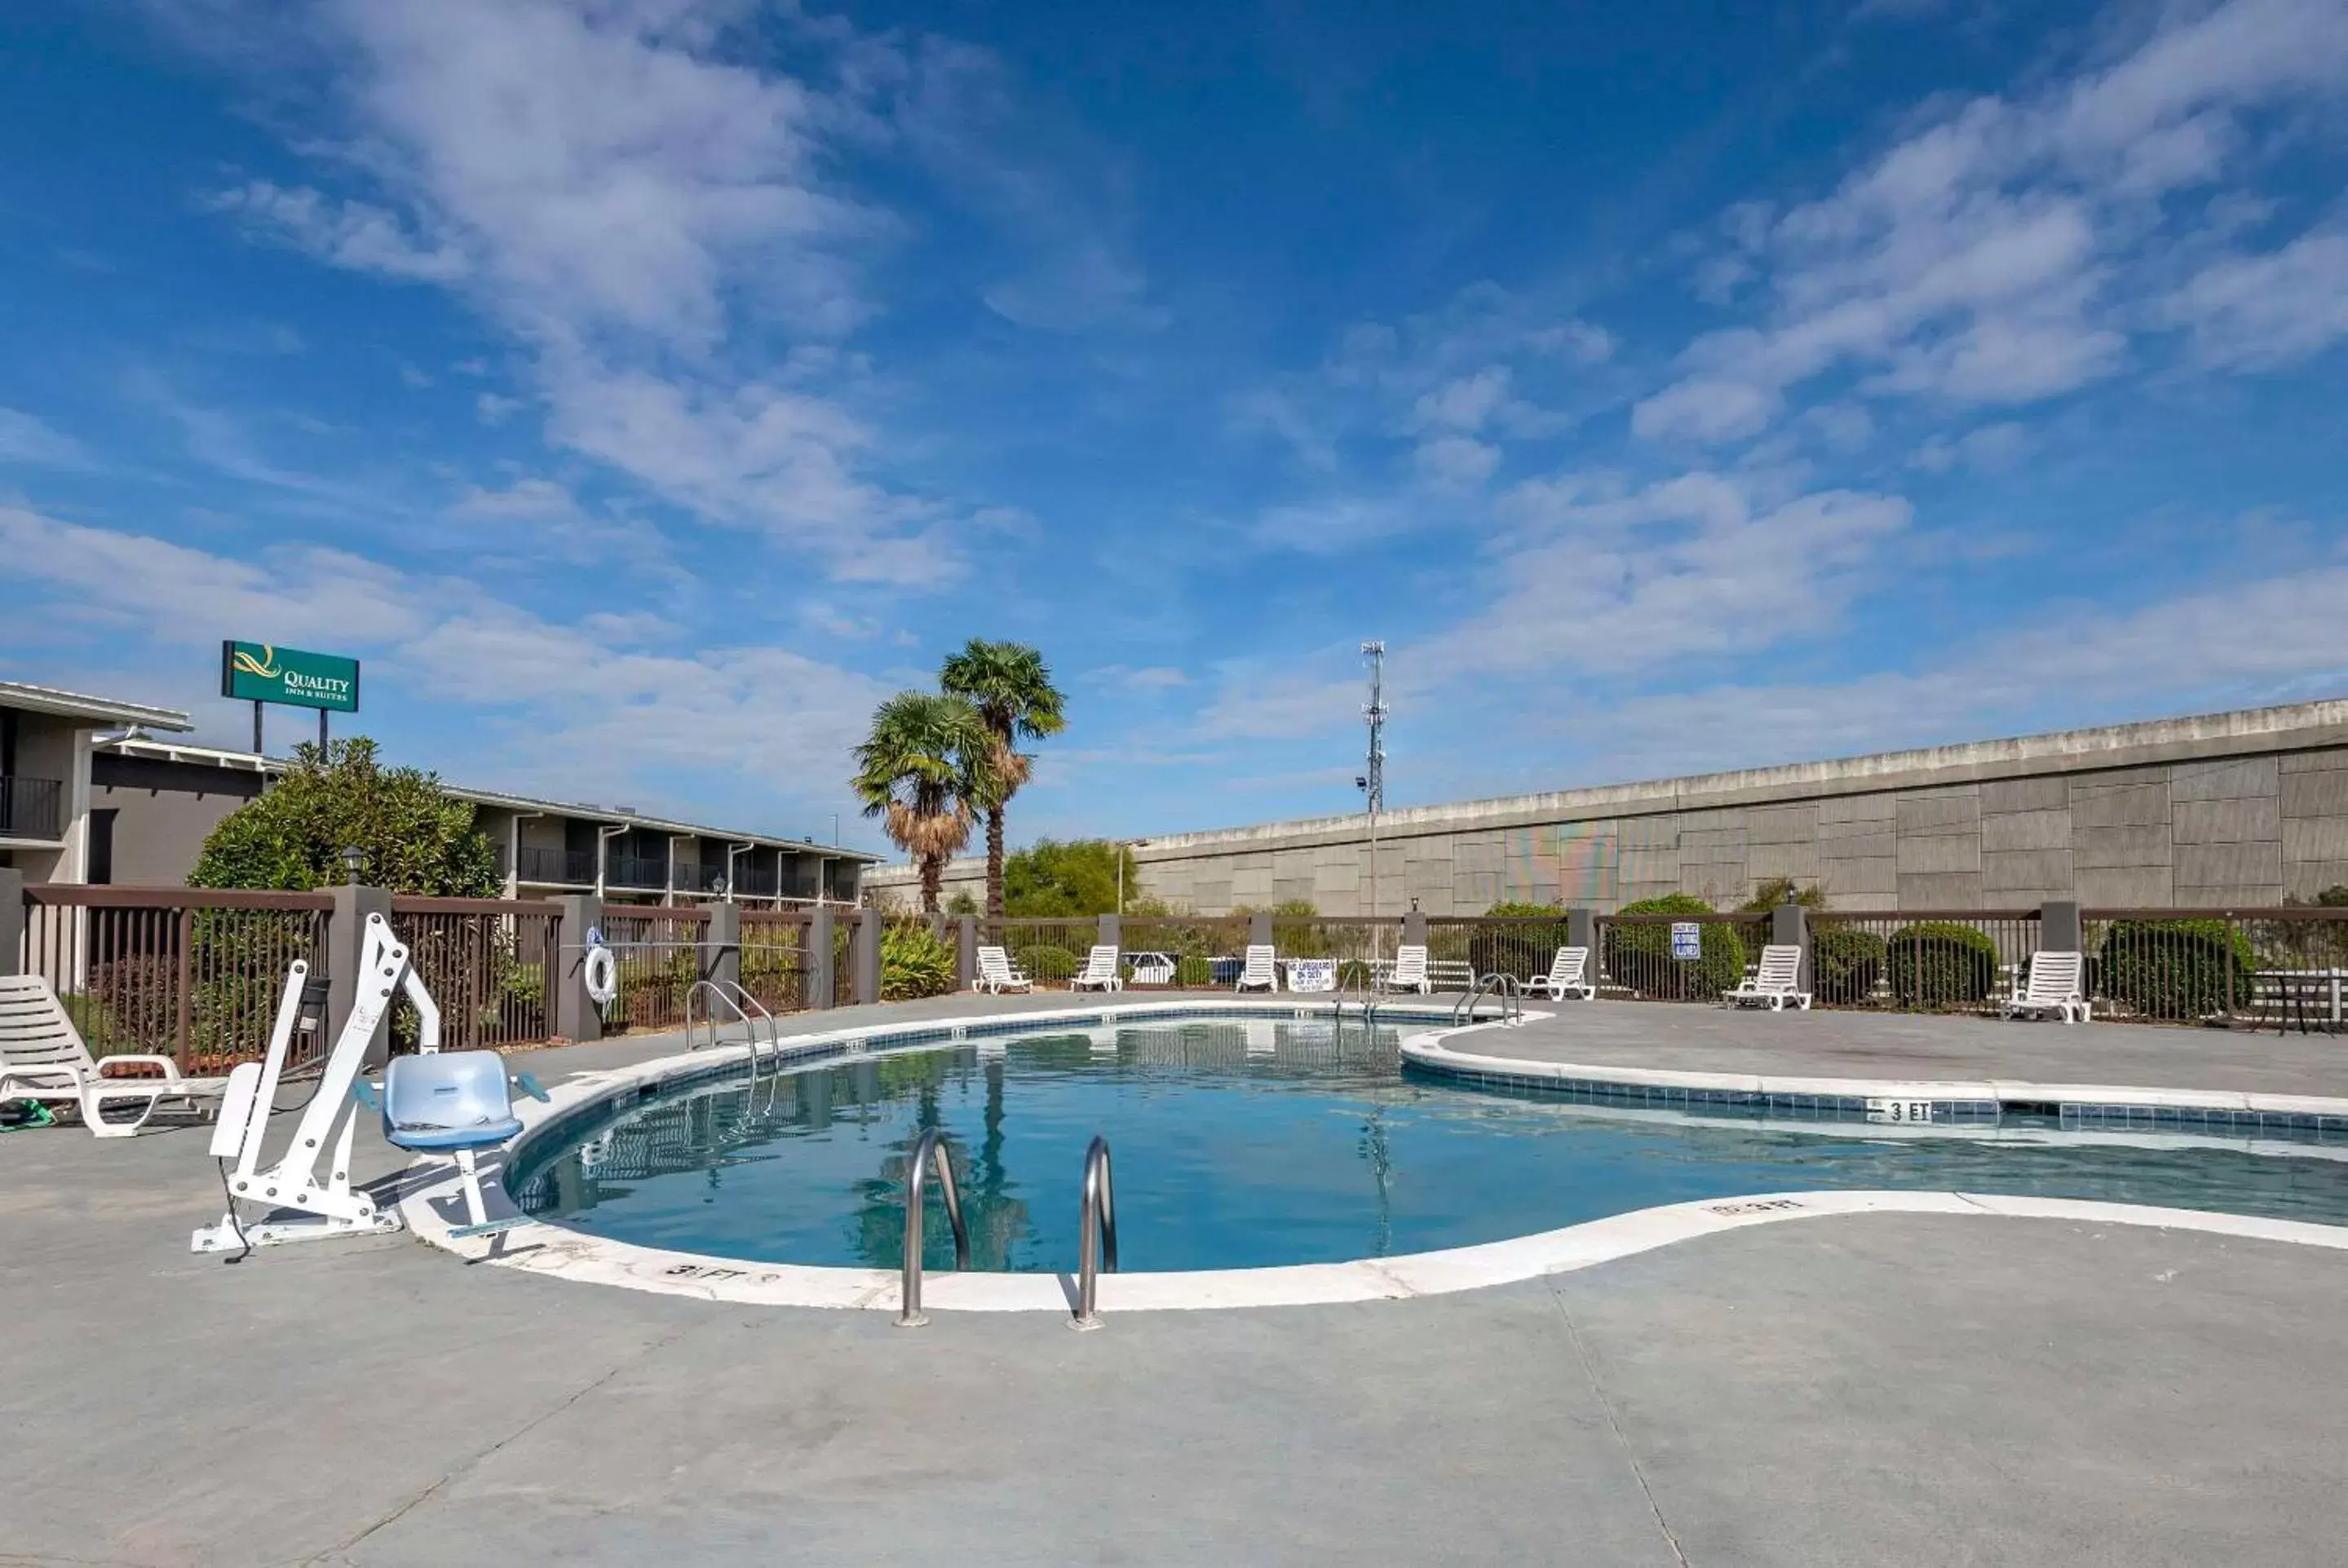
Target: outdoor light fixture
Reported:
[(718, 886), (354, 862)]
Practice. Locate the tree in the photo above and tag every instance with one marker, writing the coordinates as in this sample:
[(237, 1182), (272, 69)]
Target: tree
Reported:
[(1011, 686), (925, 769), (293, 835), (1051, 880)]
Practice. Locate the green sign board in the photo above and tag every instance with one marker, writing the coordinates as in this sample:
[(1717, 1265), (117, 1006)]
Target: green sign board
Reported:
[(262, 672)]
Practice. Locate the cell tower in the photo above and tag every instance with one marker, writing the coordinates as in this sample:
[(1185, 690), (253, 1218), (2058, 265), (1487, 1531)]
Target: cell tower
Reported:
[(1372, 781)]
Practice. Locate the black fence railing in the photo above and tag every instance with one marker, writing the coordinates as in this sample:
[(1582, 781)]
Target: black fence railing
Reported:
[(31, 809), (636, 871), (559, 868)]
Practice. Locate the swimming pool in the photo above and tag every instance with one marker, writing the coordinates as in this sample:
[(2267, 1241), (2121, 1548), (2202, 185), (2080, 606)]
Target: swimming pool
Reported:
[(1264, 1142)]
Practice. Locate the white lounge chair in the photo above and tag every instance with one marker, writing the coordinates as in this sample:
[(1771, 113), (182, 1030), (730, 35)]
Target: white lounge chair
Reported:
[(995, 973), (2053, 986), (1258, 974), (1566, 977), (44, 1058), (1409, 971), (1153, 968), (1100, 971), (1774, 982)]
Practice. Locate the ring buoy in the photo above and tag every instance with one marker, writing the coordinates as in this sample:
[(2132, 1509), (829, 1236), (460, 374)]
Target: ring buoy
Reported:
[(602, 975)]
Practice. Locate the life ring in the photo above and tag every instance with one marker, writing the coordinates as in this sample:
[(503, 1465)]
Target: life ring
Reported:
[(602, 973)]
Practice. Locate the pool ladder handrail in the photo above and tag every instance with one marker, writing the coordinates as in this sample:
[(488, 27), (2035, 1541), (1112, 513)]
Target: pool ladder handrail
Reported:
[(1096, 1241), (1500, 985), (1366, 993), (733, 994), (931, 1151)]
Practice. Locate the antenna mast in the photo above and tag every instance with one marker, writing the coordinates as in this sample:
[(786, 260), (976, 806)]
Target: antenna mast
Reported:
[(1374, 779)]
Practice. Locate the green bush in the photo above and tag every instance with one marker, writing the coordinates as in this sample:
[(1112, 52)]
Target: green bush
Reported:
[(914, 962), (1523, 949), (1046, 962), (1845, 962), (1193, 973), (1942, 964), (2178, 970), (1640, 956)]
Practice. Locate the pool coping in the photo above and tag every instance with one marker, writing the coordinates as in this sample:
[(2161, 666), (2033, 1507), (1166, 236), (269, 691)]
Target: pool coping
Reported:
[(430, 1204)]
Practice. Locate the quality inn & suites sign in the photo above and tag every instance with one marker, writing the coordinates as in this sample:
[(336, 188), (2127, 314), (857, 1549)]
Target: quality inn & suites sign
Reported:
[(263, 672)]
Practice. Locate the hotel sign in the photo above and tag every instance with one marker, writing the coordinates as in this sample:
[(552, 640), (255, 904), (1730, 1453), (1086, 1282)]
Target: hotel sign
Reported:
[(263, 672)]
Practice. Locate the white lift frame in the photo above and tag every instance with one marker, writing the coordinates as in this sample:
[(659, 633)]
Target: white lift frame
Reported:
[(292, 1181)]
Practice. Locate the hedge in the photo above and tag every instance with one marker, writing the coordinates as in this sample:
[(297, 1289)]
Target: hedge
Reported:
[(1523, 950), (1942, 963), (914, 962), (1639, 956), (1845, 962), (2181, 969), (1046, 962)]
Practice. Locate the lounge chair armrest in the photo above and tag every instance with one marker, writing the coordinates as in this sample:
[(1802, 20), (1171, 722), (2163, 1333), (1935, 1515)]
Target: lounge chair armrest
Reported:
[(171, 1068)]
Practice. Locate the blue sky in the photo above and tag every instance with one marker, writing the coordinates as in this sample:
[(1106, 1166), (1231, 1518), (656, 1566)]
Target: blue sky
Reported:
[(644, 388)]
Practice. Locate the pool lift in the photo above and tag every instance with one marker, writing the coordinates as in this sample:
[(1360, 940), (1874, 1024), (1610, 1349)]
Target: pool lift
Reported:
[(451, 1102)]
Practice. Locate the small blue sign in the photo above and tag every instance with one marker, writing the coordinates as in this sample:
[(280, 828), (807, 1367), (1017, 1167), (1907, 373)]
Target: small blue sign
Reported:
[(1687, 939)]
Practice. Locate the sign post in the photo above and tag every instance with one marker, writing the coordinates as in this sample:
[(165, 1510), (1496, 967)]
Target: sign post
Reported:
[(262, 672)]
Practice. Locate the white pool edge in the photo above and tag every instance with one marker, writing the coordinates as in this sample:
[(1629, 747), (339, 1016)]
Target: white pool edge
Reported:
[(430, 1208)]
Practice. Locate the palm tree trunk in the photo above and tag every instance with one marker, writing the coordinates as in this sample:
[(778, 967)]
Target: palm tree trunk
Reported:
[(994, 863), (933, 877)]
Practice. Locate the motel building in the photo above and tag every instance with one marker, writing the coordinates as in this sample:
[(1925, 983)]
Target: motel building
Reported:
[(93, 790)]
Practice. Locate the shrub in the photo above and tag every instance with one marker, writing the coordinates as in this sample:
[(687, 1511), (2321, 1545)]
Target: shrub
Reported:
[(2180, 969), (1524, 949), (914, 962), (1942, 963), (1640, 956), (1193, 973), (1046, 962), (1778, 891), (1845, 962)]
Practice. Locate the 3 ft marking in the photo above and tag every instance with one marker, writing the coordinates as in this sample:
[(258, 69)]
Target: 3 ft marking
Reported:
[(1902, 1110)]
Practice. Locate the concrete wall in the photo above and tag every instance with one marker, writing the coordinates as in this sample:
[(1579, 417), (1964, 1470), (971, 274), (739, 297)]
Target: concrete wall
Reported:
[(49, 746), (2231, 809)]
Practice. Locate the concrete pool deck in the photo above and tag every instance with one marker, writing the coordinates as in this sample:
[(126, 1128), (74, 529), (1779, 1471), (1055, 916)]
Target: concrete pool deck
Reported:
[(1863, 1390)]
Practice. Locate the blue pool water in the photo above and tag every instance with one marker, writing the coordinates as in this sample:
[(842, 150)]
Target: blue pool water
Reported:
[(1247, 1144)]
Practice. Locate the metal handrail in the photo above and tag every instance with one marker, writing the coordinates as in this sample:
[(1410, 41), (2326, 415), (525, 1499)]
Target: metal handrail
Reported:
[(1504, 987), (931, 1151), (734, 996), (1096, 1242)]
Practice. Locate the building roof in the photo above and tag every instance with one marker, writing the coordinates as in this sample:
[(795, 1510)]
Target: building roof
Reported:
[(97, 710), (134, 745)]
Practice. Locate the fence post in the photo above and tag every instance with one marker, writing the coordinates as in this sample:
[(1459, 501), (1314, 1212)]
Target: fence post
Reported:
[(1414, 929), (12, 921), (575, 1016), (345, 942), (818, 960), (864, 957), (1108, 935), (1789, 926), (966, 952), (721, 945), (1260, 928), (1581, 931), (2058, 928)]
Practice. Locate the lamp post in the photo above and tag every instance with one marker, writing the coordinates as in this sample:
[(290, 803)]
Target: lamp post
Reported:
[(354, 862)]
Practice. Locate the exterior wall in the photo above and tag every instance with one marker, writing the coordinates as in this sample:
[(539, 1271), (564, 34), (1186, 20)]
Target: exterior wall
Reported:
[(163, 812), (49, 746), (2228, 810)]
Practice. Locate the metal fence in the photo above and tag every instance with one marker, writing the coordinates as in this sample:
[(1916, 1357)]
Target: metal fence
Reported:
[(775, 958), (487, 962), (193, 974), (1920, 960), (2284, 968), (1639, 957), (655, 958)]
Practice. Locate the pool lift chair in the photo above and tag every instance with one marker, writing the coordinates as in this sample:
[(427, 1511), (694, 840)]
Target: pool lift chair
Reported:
[(453, 1102)]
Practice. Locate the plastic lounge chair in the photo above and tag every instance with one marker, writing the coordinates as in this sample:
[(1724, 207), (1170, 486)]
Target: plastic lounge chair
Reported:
[(1409, 971), (995, 973), (1258, 974), (1100, 971), (2052, 987), (1566, 977), (44, 1058), (1773, 983), (1153, 968)]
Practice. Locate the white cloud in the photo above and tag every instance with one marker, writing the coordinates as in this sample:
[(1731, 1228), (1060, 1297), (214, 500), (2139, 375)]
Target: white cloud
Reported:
[(530, 499), (2259, 312), (1335, 524), (28, 439), (1991, 255), (1456, 462), (1990, 449), (351, 234), (1148, 679), (1465, 403), (1585, 342), (493, 410)]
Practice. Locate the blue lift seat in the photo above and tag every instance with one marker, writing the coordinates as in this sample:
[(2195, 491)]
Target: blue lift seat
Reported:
[(450, 1099)]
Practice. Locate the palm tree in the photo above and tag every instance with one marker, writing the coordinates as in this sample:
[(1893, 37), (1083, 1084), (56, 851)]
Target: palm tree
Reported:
[(1011, 686), (926, 768)]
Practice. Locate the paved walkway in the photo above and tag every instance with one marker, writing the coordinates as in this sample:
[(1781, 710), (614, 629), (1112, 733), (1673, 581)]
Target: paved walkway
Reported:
[(1910, 1389), (1896, 1046)]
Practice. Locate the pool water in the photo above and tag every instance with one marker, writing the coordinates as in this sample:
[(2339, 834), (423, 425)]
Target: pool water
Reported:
[(1242, 1144)]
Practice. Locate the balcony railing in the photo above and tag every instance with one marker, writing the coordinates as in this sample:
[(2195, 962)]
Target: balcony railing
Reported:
[(31, 809), (557, 867), (636, 871)]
